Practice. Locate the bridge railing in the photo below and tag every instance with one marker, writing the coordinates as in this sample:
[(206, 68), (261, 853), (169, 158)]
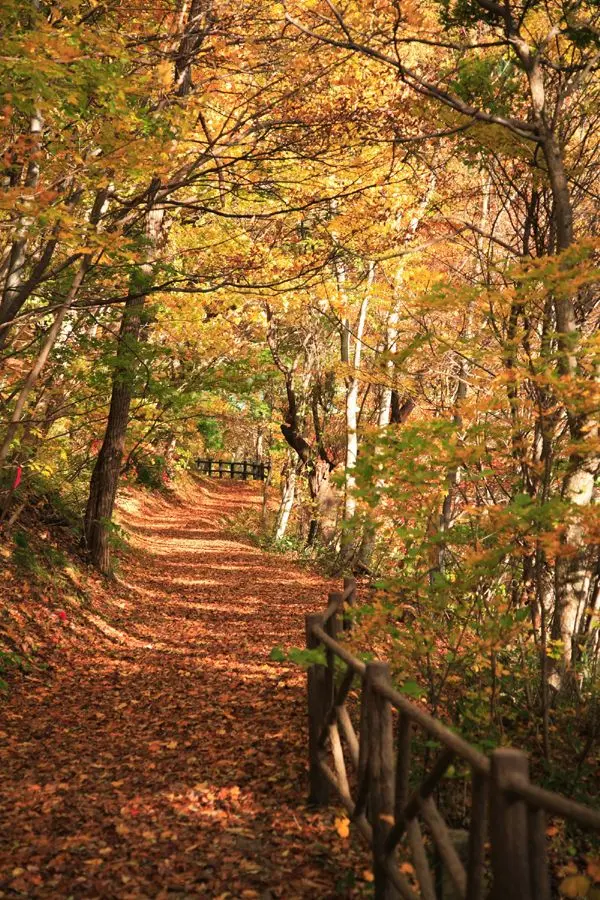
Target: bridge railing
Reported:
[(367, 766), (222, 468)]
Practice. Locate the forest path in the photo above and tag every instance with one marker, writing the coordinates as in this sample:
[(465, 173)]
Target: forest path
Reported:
[(167, 759)]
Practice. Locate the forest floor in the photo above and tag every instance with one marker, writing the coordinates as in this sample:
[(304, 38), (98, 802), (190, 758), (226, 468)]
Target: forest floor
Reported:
[(162, 754)]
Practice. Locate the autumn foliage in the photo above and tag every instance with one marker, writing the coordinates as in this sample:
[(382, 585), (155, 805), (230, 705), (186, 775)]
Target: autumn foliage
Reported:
[(359, 242)]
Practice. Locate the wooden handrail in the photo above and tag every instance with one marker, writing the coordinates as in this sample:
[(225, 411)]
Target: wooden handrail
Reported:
[(432, 726), (478, 761), (338, 599), (539, 798), (355, 664), (503, 799)]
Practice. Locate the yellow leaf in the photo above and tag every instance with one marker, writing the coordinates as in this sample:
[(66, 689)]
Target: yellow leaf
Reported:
[(342, 826), (165, 74), (575, 886), (172, 744)]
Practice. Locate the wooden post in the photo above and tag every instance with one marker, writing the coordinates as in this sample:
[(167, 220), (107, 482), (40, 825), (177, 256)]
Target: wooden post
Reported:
[(332, 627), (319, 702), (220, 468), (231, 469), (477, 837), (538, 859), (336, 597), (381, 775), (349, 583), (245, 471), (508, 828), (210, 462)]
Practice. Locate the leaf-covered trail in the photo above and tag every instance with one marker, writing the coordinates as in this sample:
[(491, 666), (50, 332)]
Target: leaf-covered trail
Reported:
[(166, 759)]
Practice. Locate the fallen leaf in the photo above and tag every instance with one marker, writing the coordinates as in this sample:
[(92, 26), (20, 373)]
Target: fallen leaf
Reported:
[(342, 826)]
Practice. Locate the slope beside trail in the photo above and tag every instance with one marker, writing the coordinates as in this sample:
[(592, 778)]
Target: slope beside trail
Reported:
[(167, 758)]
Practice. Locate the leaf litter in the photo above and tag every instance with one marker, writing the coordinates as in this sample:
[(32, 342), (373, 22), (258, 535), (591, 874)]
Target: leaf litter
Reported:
[(163, 754)]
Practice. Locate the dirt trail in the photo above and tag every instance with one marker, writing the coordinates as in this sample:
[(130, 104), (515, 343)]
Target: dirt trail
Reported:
[(167, 759)]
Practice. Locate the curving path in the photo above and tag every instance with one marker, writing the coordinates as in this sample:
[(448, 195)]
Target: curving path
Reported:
[(165, 758)]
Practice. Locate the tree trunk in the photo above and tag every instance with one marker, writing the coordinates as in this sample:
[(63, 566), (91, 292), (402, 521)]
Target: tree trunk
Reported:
[(10, 301), (35, 371), (573, 566), (385, 406), (105, 477), (352, 385), (287, 501)]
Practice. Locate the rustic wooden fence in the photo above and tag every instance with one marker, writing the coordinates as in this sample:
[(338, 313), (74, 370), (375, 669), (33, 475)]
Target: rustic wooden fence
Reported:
[(222, 468), (368, 769)]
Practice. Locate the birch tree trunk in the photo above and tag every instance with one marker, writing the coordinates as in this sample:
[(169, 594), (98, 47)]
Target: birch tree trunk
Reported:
[(573, 566), (287, 500), (385, 407), (353, 361)]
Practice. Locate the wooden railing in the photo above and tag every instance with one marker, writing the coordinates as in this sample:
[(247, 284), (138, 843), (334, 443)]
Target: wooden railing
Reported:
[(222, 468), (368, 769)]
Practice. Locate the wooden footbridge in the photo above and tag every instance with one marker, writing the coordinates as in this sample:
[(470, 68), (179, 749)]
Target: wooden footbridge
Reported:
[(222, 468)]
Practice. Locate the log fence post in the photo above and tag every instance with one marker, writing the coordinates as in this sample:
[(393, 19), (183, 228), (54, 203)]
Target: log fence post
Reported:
[(349, 583), (245, 470), (381, 774), (320, 698), (210, 464), (333, 625), (508, 828)]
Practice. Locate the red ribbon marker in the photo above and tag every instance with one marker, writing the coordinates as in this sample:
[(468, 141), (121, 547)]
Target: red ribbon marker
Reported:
[(17, 478)]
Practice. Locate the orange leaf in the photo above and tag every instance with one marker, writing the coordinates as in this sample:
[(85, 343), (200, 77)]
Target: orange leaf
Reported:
[(342, 826)]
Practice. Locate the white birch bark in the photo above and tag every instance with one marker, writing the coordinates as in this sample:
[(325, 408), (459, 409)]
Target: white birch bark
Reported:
[(287, 501)]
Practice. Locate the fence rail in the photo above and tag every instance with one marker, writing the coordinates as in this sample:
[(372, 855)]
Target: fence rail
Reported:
[(505, 856), (221, 468)]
